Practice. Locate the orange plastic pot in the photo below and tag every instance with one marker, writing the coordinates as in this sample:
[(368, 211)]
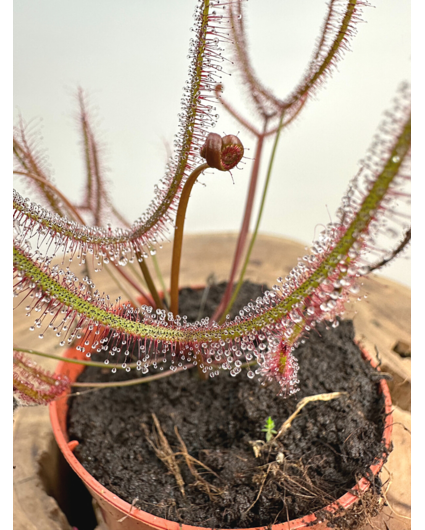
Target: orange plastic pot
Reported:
[(120, 515)]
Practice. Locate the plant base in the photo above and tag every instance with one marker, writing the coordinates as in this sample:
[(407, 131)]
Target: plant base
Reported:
[(327, 445)]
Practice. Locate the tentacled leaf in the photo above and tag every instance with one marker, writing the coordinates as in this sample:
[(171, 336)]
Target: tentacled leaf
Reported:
[(30, 162), (337, 30), (198, 116), (268, 329), (32, 385)]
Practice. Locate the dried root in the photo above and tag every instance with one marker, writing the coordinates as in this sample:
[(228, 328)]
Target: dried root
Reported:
[(309, 399), (259, 446), (260, 490), (205, 486), (164, 453), (133, 504)]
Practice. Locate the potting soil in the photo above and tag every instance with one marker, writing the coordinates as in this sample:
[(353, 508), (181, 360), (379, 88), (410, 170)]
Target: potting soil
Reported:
[(213, 470)]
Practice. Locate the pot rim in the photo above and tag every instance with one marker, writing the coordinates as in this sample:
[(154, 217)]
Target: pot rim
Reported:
[(66, 446)]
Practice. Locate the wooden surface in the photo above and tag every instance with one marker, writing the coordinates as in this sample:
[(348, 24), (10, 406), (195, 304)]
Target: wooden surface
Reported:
[(381, 321)]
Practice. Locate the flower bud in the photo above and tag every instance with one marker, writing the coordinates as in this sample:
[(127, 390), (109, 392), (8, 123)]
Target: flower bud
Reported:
[(222, 153)]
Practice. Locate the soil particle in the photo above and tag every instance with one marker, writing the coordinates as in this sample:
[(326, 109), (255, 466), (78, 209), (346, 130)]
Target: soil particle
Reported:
[(225, 485)]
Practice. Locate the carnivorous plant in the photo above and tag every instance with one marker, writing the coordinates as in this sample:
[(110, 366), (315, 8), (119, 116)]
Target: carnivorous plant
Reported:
[(263, 338)]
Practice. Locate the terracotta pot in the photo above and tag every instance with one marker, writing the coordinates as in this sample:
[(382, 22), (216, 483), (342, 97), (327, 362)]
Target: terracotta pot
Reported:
[(120, 515)]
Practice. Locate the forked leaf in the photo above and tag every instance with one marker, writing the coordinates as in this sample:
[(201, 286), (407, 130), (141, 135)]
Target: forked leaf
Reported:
[(339, 27)]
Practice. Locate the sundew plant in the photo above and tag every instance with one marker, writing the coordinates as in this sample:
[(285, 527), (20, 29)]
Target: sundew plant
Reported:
[(153, 338)]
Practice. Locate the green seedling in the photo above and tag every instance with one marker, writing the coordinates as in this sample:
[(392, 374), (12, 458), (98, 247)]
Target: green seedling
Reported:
[(269, 429)]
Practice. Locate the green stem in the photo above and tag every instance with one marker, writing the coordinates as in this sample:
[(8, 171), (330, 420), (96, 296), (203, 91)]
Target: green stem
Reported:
[(132, 382), (166, 296), (73, 361), (254, 235), (136, 272), (149, 281), (178, 237), (120, 286)]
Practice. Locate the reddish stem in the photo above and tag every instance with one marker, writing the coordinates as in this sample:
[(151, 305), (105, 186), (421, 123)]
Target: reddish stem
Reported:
[(243, 233), (290, 120), (234, 113), (134, 284), (178, 237), (150, 283)]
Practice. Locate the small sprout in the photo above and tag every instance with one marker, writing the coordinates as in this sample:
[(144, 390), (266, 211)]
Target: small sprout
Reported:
[(269, 429)]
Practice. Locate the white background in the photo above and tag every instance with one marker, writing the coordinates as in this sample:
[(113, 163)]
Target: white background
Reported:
[(131, 59)]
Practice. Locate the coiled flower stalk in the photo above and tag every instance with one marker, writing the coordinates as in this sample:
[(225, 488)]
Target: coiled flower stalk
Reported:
[(222, 153)]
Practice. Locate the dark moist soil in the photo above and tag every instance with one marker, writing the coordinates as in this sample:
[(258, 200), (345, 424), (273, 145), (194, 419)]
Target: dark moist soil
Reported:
[(328, 444)]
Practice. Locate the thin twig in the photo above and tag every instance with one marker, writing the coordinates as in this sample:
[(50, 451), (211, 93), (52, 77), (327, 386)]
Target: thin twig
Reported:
[(133, 503), (386, 499)]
